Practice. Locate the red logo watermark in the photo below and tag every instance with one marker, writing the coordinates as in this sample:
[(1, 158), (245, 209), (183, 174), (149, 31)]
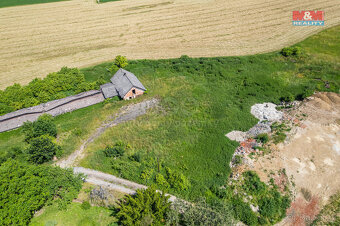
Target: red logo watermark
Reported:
[(308, 18)]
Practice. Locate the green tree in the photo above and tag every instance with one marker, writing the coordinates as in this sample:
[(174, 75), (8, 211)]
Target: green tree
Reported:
[(25, 188), (146, 207), (44, 125), (121, 61), (42, 149)]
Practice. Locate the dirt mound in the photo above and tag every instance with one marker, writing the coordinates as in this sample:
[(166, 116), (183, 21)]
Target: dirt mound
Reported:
[(334, 98), (321, 103)]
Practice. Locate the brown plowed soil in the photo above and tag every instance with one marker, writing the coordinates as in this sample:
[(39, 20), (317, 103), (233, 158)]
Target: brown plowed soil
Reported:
[(38, 39)]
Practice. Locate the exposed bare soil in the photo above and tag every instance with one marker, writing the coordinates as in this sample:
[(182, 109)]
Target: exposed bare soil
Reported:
[(38, 39), (310, 155)]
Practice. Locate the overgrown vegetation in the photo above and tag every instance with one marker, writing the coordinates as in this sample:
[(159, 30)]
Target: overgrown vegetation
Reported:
[(200, 100), (40, 135), (253, 201), (66, 82), (200, 213), (278, 132), (148, 168), (26, 188), (291, 51), (262, 138), (40, 142), (146, 207), (44, 125)]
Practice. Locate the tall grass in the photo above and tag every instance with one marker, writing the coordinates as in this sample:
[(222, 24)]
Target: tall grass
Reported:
[(201, 99)]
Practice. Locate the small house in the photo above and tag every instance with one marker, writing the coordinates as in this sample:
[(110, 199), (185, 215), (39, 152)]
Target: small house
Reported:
[(123, 84)]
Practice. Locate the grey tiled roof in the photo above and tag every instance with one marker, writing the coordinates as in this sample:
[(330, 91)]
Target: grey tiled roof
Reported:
[(108, 90), (124, 80)]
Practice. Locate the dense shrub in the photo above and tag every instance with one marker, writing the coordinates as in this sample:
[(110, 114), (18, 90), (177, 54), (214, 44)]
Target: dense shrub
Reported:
[(66, 82), (291, 51), (287, 98), (271, 204), (26, 188), (121, 61), (43, 126), (243, 212), (263, 138), (177, 180), (116, 150), (253, 184), (146, 207), (42, 149), (161, 181)]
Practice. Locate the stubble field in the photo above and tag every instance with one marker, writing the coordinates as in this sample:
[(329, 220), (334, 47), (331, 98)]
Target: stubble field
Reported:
[(38, 39)]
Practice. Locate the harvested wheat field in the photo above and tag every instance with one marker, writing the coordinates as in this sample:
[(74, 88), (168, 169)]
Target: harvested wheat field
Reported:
[(38, 39)]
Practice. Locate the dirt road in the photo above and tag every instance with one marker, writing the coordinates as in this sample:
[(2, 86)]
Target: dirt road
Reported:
[(127, 113), (39, 39)]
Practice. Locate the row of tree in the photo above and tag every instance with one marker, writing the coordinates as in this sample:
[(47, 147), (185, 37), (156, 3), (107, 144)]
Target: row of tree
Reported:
[(57, 85)]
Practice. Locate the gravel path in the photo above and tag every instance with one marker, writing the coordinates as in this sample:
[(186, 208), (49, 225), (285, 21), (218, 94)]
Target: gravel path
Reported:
[(112, 182), (125, 114)]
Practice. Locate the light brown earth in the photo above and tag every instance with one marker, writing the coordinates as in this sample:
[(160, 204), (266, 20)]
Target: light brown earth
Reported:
[(312, 153), (38, 39)]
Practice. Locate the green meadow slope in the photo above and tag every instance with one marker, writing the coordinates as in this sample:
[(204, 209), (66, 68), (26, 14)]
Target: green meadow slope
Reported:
[(201, 99)]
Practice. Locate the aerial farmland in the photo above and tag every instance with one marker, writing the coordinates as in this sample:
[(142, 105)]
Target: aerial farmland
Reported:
[(41, 38), (169, 112)]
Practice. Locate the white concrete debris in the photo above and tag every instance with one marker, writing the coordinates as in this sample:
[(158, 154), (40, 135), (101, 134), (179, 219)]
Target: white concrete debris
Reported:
[(238, 136), (266, 111)]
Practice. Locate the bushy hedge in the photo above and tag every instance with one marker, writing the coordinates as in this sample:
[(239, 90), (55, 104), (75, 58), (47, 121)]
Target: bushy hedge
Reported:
[(66, 82), (26, 188)]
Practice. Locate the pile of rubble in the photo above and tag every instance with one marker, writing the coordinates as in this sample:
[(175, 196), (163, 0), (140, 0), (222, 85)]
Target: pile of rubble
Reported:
[(266, 112), (246, 147)]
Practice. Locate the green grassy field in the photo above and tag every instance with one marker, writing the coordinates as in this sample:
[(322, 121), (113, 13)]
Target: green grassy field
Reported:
[(74, 215), (201, 100), (7, 3)]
